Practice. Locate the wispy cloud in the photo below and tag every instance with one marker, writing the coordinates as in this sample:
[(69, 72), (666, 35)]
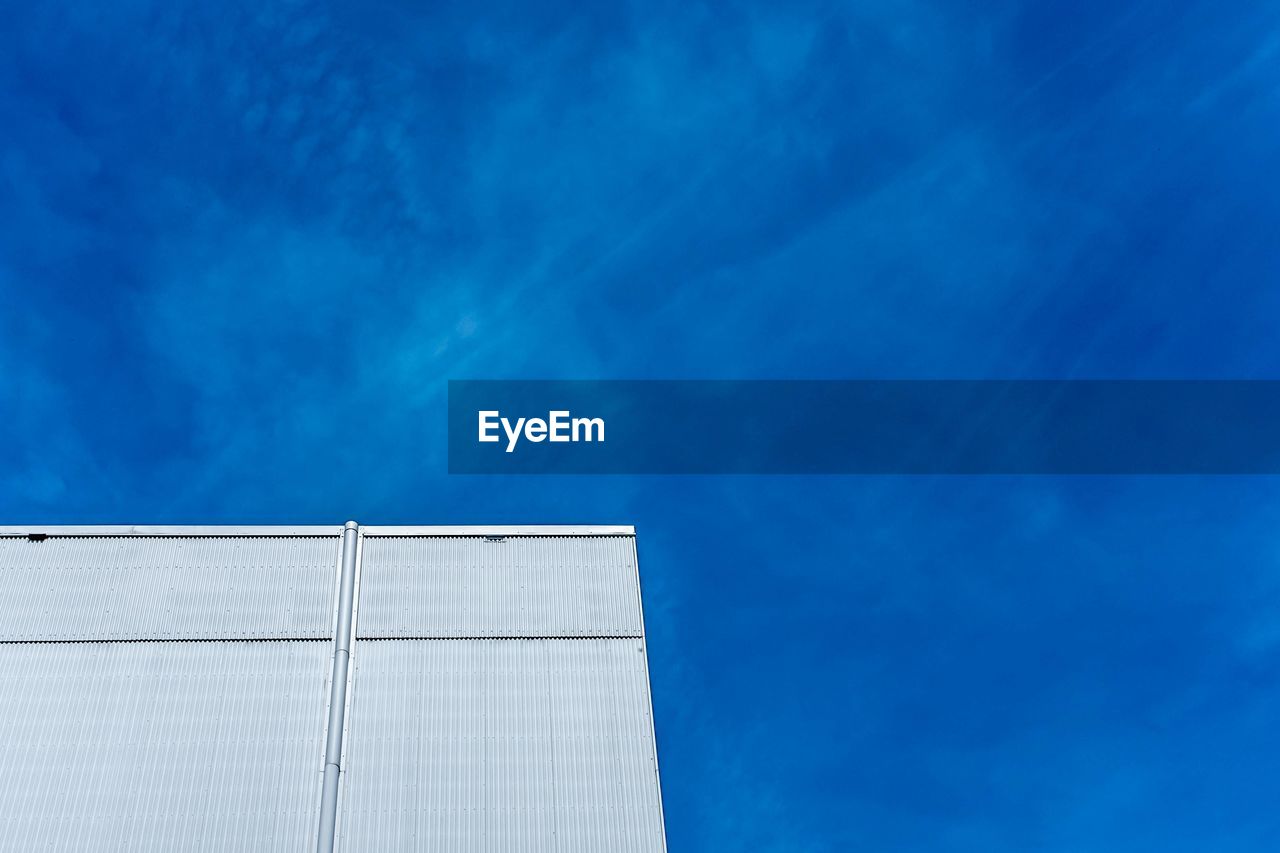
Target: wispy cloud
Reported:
[(242, 249)]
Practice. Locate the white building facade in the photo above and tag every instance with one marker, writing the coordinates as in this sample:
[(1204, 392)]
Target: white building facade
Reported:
[(325, 688)]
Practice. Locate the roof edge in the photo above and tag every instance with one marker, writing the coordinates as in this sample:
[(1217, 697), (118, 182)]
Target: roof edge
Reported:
[(316, 530), (501, 530)]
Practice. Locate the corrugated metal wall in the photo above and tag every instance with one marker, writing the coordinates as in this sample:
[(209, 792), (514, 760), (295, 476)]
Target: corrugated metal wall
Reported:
[(168, 587), (163, 692), (470, 586), (170, 691), (501, 746), (161, 746), (505, 704)]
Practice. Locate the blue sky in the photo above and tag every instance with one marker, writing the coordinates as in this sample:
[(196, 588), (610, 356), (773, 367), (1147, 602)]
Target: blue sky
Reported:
[(243, 248)]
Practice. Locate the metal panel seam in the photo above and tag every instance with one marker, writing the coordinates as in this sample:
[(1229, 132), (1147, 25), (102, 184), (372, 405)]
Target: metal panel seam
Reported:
[(351, 682), (339, 682)]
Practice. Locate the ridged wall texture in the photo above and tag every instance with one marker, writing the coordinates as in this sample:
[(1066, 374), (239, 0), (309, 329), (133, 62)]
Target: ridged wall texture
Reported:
[(161, 746), (167, 587), (523, 586), (170, 691), (501, 746)]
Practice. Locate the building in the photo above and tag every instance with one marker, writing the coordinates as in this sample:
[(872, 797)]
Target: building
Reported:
[(317, 688)]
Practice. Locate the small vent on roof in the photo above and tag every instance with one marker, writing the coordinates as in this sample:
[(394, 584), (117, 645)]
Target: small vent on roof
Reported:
[(495, 539), (37, 537)]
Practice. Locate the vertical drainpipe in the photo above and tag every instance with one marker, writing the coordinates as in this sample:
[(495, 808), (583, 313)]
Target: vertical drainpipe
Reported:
[(338, 690)]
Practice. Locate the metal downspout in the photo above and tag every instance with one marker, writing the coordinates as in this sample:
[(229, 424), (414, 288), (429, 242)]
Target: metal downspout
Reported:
[(338, 690)]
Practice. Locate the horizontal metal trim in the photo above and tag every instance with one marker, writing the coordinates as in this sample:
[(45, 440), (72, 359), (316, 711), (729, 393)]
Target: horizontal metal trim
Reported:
[(502, 530), (89, 641), (171, 530), (317, 530), (513, 637)]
